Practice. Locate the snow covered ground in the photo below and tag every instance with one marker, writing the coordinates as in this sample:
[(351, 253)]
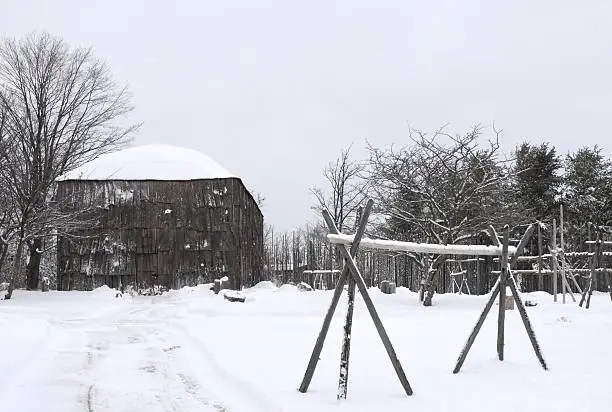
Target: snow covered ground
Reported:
[(191, 350)]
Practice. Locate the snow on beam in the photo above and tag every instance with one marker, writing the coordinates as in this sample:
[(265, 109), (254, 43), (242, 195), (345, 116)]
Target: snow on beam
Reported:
[(381, 244), (321, 272), (592, 242), (549, 272)]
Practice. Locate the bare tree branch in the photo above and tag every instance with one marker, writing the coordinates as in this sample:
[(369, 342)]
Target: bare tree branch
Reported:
[(59, 108)]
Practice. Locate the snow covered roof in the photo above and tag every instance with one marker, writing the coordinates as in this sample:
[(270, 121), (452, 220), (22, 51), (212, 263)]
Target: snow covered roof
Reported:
[(150, 162)]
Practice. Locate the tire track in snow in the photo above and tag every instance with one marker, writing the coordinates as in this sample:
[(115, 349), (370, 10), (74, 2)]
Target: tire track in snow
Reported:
[(237, 385), (175, 389), (90, 399)]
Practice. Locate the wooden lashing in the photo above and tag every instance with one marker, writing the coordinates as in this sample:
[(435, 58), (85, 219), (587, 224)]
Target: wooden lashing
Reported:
[(316, 352), (503, 276), (509, 279), (350, 269)]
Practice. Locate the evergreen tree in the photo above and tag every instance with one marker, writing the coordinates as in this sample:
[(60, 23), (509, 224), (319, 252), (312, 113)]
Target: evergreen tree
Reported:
[(537, 179), (587, 189)]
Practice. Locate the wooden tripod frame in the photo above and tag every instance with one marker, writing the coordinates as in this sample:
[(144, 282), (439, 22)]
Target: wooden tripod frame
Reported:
[(505, 278), (351, 271)]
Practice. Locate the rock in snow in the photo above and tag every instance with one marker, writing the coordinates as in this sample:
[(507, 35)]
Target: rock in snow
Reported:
[(304, 287), (234, 296), (150, 162)]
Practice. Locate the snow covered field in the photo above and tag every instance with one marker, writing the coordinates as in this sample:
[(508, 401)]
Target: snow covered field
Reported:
[(191, 350)]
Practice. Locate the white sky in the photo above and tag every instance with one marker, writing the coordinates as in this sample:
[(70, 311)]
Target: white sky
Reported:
[(274, 89)]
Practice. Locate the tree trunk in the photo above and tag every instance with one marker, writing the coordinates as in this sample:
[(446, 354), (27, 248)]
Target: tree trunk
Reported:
[(16, 269), (428, 285), (33, 268), (3, 252)]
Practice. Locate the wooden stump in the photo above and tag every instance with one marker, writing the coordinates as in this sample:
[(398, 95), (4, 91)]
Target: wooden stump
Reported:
[(220, 284), (217, 286), (384, 286), (392, 288), (44, 284), (304, 287)]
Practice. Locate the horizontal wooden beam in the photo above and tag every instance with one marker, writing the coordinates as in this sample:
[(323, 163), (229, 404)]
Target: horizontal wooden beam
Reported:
[(566, 254), (550, 272), (321, 272), (601, 242), (381, 244)]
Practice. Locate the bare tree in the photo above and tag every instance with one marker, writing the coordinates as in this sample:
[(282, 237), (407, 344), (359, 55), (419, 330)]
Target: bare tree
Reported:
[(345, 191), (7, 209), (62, 109), (443, 188)]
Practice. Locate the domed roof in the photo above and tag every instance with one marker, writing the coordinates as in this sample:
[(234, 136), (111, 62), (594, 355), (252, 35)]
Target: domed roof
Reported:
[(150, 162)]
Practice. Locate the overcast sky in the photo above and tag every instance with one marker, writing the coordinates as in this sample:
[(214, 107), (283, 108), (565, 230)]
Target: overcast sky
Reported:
[(274, 89)]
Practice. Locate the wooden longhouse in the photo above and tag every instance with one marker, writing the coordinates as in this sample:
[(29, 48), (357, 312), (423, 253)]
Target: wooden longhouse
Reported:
[(160, 231)]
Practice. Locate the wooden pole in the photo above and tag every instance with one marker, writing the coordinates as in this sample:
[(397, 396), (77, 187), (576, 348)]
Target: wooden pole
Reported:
[(521, 246), (354, 271), (477, 327), (424, 278), (596, 255), (554, 259), (592, 266), (348, 325), (530, 332), (565, 284), (316, 352), (540, 262), (346, 343), (563, 281), (494, 291), (478, 279), (501, 318), (518, 300)]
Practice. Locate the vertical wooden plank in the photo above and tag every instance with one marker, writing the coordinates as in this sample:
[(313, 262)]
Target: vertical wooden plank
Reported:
[(501, 318)]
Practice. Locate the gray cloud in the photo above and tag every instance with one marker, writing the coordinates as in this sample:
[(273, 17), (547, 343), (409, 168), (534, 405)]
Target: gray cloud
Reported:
[(274, 90)]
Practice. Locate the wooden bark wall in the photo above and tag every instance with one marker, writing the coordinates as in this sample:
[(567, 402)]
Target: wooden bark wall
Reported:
[(166, 233)]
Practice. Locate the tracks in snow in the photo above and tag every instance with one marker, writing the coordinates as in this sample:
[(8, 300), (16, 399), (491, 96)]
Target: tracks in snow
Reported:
[(138, 359)]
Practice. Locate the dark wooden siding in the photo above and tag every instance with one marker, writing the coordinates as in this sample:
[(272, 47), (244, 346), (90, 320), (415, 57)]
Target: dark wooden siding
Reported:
[(169, 233)]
